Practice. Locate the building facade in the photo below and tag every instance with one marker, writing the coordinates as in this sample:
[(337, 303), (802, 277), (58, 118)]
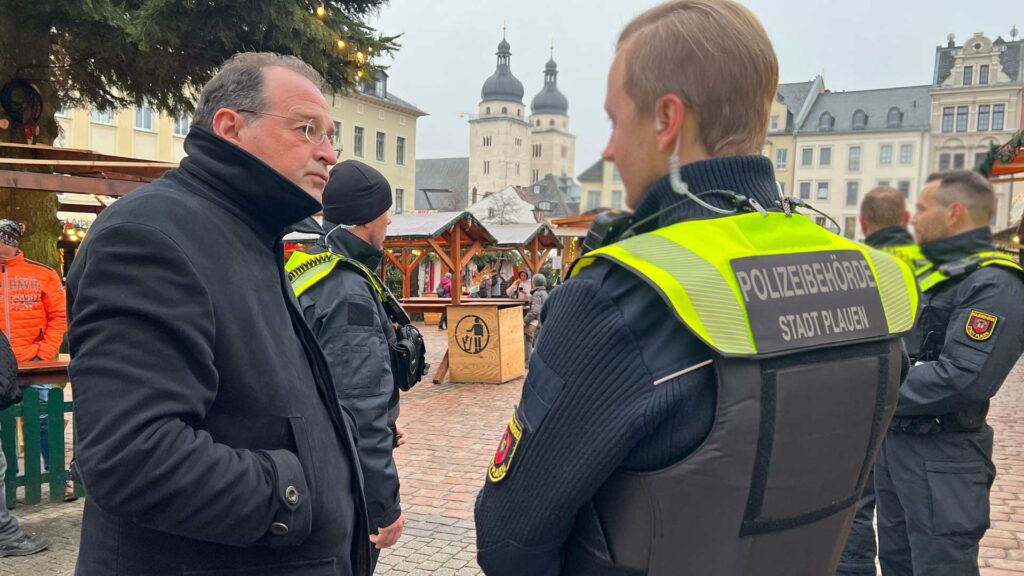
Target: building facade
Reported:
[(851, 142), (601, 187), (789, 109), (370, 124), (976, 103)]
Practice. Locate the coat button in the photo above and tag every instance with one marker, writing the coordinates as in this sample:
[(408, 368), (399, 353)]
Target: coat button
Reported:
[(278, 529), (291, 494)]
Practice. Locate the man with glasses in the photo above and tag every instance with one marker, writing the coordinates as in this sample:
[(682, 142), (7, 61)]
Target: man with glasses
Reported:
[(208, 435)]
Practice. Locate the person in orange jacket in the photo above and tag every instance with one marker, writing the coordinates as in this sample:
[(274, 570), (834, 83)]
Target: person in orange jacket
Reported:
[(33, 312)]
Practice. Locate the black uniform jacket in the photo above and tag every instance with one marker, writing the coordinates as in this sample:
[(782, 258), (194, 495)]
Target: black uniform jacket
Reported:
[(615, 381), (984, 335), (208, 433), (354, 331)]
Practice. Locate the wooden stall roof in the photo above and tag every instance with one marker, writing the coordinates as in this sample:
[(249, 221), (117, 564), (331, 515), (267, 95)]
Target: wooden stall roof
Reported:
[(1011, 170), (74, 171), (414, 230), (516, 235)]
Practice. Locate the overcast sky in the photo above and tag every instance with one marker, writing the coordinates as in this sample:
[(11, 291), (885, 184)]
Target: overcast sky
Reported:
[(448, 51)]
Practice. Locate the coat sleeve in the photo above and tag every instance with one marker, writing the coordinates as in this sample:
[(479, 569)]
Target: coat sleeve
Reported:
[(142, 339), (971, 367), (581, 412), (56, 321), (348, 325), (536, 303)]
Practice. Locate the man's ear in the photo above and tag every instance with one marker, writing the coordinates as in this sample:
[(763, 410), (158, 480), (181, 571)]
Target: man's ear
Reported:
[(228, 124), (669, 115)]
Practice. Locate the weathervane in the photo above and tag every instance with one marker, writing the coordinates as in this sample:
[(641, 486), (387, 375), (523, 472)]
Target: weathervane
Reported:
[(1014, 32)]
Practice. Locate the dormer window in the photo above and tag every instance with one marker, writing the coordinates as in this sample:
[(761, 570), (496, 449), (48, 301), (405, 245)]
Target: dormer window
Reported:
[(826, 122), (860, 120), (894, 119)]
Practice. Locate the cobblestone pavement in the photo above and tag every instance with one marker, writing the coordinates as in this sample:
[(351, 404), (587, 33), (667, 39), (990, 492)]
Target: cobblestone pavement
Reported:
[(453, 430)]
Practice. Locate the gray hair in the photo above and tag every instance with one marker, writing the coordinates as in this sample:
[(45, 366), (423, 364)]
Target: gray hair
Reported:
[(239, 83)]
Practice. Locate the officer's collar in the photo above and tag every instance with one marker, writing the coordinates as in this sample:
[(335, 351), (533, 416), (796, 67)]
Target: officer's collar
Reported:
[(351, 246), (889, 236), (958, 247), (751, 176)]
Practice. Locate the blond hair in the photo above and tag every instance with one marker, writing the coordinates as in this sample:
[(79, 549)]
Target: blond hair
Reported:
[(714, 55)]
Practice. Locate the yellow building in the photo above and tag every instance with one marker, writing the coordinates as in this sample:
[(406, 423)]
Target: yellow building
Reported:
[(601, 187), (371, 125), (790, 108)]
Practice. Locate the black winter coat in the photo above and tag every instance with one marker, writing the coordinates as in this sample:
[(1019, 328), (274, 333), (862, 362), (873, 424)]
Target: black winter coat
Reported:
[(208, 436)]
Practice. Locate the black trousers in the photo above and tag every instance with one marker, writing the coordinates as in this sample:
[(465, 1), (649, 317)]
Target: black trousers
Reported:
[(858, 557), (933, 502)]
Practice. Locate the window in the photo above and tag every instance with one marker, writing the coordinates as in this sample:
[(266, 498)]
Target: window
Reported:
[(337, 132), (400, 151), (983, 74), (979, 157), (487, 111), (536, 175), (962, 115), (854, 162), (517, 168), (144, 116), (826, 122), (947, 119), (849, 227), (544, 205), (998, 114), (805, 190), (904, 187), (775, 122), (551, 123), (616, 177), (781, 158), (537, 123), (958, 161), (381, 144), (852, 190), (894, 119), (944, 161), (537, 150), (519, 142), (487, 166), (102, 116), (885, 154), (822, 190), (519, 112), (504, 109), (825, 156), (182, 123), (983, 117), (565, 151), (968, 75), (617, 199), (487, 141), (883, 183), (63, 112), (399, 200), (357, 141), (906, 154), (593, 199), (820, 221), (860, 120), (807, 157)]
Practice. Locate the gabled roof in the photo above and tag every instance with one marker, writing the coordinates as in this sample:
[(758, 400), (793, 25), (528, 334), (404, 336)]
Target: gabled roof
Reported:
[(405, 227), (514, 235), (593, 174), (442, 183)]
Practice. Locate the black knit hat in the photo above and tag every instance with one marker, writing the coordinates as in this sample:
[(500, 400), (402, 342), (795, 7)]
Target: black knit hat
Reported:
[(10, 233), (355, 194)]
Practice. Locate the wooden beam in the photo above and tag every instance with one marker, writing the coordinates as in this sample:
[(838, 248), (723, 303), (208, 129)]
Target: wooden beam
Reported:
[(394, 260), (456, 256), (442, 254), (543, 257), (527, 259), (476, 247), (56, 183), (418, 260), (405, 274)]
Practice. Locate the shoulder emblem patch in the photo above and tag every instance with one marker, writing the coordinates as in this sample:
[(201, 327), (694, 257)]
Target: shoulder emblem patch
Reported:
[(502, 459), (980, 326)]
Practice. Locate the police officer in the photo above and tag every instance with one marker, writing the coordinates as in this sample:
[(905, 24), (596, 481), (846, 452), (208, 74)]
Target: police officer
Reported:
[(341, 301), (935, 467), (883, 219), (708, 392)]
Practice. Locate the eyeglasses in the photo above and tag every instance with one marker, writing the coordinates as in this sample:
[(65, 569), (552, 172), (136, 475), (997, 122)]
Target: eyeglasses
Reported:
[(313, 131)]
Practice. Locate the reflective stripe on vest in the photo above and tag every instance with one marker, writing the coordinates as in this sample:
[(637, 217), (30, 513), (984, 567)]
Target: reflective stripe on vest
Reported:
[(692, 264), (909, 254), (305, 270), (928, 276)]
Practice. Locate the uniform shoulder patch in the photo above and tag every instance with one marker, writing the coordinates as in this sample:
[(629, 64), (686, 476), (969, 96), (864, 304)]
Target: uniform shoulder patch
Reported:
[(502, 459), (980, 325)]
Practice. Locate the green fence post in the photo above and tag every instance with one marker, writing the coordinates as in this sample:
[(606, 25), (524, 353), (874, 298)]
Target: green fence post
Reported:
[(9, 441), (30, 431), (58, 468)]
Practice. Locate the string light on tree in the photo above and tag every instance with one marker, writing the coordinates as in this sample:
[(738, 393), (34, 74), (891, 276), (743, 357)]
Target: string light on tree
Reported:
[(321, 12)]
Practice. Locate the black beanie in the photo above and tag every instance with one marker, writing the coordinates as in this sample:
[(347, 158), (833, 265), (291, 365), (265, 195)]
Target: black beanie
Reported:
[(355, 194)]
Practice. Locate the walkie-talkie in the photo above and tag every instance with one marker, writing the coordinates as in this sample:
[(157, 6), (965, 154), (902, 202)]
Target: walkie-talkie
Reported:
[(606, 229)]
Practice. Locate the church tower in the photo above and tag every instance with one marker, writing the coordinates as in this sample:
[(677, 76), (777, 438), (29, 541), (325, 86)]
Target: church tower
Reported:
[(499, 147), (552, 146)]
